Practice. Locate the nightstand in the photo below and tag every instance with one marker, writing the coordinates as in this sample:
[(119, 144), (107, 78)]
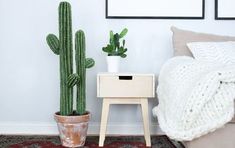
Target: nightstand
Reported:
[(123, 88)]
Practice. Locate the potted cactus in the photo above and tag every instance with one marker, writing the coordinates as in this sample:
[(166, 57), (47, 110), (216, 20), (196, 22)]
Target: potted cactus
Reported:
[(72, 124), (115, 50)]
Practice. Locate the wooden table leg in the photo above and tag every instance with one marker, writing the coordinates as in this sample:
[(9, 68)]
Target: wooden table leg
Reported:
[(144, 107), (104, 119)]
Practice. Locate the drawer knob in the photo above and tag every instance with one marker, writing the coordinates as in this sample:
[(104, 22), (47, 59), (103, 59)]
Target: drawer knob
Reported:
[(125, 77)]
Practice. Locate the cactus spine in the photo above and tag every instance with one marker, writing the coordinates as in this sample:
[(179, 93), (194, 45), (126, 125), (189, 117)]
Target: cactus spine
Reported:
[(63, 47), (82, 64)]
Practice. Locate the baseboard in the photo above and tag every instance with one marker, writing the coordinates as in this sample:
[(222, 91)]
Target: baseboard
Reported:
[(37, 128)]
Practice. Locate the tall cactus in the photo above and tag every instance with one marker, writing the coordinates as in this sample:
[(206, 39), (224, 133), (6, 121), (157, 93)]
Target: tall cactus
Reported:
[(82, 63), (64, 48)]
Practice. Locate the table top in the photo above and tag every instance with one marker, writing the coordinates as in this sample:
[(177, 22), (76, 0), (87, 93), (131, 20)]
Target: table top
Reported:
[(125, 74)]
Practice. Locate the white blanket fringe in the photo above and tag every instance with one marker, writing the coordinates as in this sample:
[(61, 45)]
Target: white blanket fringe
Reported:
[(195, 98)]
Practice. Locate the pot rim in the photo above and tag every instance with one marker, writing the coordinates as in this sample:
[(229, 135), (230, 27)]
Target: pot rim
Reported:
[(73, 118)]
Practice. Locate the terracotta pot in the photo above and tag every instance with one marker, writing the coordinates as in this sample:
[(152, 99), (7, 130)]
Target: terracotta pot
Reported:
[(72, 129)]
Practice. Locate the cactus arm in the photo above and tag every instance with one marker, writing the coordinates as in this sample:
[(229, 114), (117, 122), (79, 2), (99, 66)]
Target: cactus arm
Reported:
[(109, 49), (81, 65), (123, 43), (111, 37), (116, 40), (53, 43), (89, 62), (123, 33), (123, 55), (105, 49), (73, 79)]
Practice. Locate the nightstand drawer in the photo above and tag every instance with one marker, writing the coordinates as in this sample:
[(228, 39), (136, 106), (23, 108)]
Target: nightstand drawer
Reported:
[(125, 85)]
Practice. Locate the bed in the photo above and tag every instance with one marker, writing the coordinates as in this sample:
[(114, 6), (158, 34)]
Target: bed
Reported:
[(225, 136)]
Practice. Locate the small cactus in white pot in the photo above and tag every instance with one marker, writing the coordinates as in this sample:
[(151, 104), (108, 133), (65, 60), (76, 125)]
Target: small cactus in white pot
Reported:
[(115, 50)]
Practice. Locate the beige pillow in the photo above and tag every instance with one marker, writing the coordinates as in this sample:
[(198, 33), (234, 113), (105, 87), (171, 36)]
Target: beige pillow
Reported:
[(182, 37)]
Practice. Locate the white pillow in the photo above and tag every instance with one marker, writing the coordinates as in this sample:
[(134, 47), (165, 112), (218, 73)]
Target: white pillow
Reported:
[(220, 52)]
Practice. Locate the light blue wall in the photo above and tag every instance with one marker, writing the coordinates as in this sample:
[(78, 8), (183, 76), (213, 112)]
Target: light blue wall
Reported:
[(29, 80)]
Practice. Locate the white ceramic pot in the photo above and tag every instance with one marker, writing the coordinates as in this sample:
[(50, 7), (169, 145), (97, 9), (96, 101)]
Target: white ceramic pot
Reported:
[(113, 63)]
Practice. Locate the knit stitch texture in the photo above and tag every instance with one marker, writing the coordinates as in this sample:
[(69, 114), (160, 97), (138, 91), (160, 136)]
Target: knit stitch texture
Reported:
[(195, 97)]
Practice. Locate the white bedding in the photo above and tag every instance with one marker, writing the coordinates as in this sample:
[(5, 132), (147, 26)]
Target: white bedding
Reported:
[(194, 97)]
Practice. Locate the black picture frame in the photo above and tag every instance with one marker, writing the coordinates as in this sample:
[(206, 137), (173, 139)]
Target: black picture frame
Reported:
[(217, 17), (107, 16)]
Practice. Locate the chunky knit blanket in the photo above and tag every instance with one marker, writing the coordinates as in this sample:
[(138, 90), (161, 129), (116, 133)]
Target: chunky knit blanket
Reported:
[(195, 98)]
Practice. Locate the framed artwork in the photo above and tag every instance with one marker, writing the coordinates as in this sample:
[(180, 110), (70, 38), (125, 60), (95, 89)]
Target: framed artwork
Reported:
[(155, 9), (224, 9)]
